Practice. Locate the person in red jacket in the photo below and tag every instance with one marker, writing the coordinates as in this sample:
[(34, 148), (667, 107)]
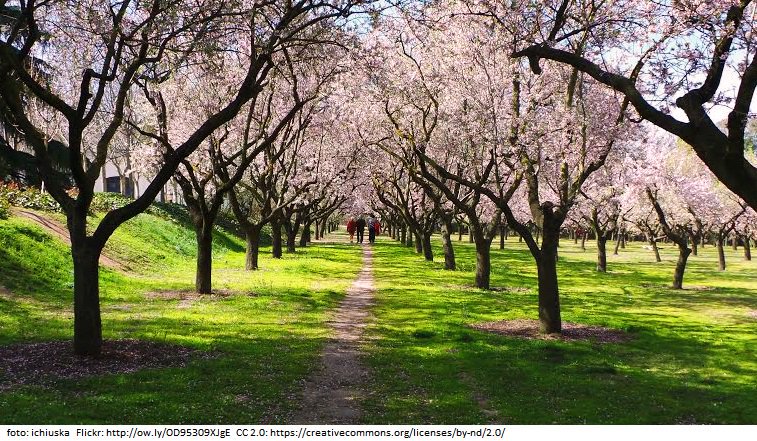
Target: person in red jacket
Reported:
[(351, 228)]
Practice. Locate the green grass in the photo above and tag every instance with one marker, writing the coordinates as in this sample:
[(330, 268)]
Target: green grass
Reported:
[(692, 358), (266, 335)]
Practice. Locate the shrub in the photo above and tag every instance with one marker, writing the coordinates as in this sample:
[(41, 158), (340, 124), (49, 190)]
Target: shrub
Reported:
[(31, 197), (104, 202), (5, 209)]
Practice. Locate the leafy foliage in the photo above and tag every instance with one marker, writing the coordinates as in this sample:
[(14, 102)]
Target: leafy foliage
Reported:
[(104, 202), (29, 197), (5, 209)]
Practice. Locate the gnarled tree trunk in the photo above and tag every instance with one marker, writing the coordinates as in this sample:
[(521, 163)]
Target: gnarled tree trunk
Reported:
[(483, 264), (203, 278), (449, 251), (428, 253), (721, 251), (87, 322), (683, 255), (747, 248), (276, 239), (305, 236), (549, 297), (291, 241), (694, 245), (252, 238), (601, 253)]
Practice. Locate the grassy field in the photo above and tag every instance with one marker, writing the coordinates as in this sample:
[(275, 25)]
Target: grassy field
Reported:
[(692, 357), (266, 335)]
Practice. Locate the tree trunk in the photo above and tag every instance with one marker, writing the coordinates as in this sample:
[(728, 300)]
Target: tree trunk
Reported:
[(428, 253), (203, 278), (317, 230), (575, 237), (483, 263), (601, 253), (683, 255), (470, 235), (252, 237), (87, 323), (656, 250), (694, 246), (323, 229), (721, 252), (502, 232), (583, 241), (549, 296), (276, 239), (747, 249), (449, 251), (735, 242), (403, 235), (305, 236), (618, 242), (459, 232), (418, 243), (291, 241)]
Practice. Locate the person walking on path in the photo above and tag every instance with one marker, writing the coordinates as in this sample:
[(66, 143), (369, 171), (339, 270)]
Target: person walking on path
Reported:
[(351, 228), (360, 225), (376, 231), (373, 229)]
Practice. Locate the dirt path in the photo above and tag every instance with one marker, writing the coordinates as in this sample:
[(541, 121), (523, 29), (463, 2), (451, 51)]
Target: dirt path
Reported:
[(61, 232), (332, 395)]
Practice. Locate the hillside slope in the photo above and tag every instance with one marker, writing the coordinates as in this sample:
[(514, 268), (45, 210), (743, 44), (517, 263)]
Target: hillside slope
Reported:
[(258, 335)]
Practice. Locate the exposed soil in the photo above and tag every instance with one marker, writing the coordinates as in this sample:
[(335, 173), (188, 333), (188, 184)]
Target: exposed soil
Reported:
[(44, 363), (529, 329), (188, 294), (188, 297), (518, 289), (699, 288), (5, 293), (685, 287), (332, 395), (61, 232)]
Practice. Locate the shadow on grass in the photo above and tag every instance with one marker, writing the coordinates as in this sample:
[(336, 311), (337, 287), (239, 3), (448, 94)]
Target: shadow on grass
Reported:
[(245, 384), (683, 366)]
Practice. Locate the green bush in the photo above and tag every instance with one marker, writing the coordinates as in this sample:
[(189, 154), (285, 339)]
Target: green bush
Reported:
[(104, 202), (31, 198), (5, 209)]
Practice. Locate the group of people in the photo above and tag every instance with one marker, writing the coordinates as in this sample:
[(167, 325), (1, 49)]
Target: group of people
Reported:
[(358, 226)]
